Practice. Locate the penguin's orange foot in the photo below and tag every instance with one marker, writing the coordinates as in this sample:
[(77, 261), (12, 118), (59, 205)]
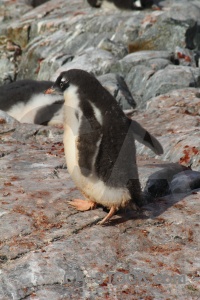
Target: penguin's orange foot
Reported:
[(109, 215), (82, 205)]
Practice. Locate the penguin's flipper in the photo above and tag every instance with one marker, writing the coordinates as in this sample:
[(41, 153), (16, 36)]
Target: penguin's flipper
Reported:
[(145, 138), (82, 205)]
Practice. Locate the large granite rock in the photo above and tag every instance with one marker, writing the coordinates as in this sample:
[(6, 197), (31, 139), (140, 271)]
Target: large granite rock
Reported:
[(174, 118)]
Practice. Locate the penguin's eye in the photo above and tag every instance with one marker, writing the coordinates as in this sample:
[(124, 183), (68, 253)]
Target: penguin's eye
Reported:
[(64, 84)]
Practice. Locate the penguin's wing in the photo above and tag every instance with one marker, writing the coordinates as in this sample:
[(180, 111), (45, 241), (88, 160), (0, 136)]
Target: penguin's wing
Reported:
[(45, 114), (145, 138)]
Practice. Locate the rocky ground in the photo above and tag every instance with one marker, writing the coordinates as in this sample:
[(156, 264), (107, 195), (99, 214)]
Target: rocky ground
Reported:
[(47, 249)]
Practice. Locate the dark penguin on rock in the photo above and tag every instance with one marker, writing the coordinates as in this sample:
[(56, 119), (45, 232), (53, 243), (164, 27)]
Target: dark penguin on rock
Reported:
[(99, 142), (36, 3), (25, 101), (123, 4)]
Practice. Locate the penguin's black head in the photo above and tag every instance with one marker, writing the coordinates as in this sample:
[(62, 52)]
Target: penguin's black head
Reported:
[(60, 85), (85, 82), (76, 77), (85, 86)]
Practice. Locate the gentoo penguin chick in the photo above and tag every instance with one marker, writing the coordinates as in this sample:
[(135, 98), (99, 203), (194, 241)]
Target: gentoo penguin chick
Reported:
[(99, 144), (123, 4), (25, 101), (36, 3), (95, 3)]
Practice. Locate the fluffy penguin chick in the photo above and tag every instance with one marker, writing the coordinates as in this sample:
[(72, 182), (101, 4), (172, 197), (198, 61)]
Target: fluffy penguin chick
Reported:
[(99, 144), (25, 101)]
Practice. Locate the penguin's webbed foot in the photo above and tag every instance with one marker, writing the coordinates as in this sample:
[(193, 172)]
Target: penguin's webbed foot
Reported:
[(109, 215), (82, 205)]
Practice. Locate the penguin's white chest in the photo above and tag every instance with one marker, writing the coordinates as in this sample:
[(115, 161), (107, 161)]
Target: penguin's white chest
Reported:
[(91, 186), (72, 125)]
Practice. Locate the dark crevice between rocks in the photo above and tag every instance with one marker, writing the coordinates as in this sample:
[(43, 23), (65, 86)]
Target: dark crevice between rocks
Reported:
[(8, 131), (63, 166), (3, 259), (122, 86), (21, 254), (76, 231), (35, 288), (27, 296), (58, 238), (196, 82), (5, 154), (192, 35), (28, 34), (197, 95), (174, 60), (68, 59)]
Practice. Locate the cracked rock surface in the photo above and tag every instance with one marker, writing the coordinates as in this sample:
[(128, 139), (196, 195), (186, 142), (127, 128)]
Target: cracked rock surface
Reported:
[(50, 251)]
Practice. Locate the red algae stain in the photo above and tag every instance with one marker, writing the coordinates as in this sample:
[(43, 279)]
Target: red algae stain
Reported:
[(8, 184), (188, 153), (165, 249), (2, 121)]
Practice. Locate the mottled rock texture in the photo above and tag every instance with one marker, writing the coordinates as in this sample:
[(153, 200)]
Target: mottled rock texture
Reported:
[(47, 249)]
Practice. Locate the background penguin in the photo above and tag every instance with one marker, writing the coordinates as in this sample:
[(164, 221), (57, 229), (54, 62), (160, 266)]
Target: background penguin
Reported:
[(25, 101), (99, 143), (123, 4), (95, 3), (36, 3)]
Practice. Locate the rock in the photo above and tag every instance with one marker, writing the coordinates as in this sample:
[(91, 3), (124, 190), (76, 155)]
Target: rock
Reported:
[(117, 49), (96, 61), (178, 26), (139, 67), (182, 101), (169, 79), (145, 58), (151, 74), (185, 181), (6, 119), (10, 57), (186, 57), (10, 10), (48, 250), (36, 52), (118, 88), (159, 183), (177, 112)]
